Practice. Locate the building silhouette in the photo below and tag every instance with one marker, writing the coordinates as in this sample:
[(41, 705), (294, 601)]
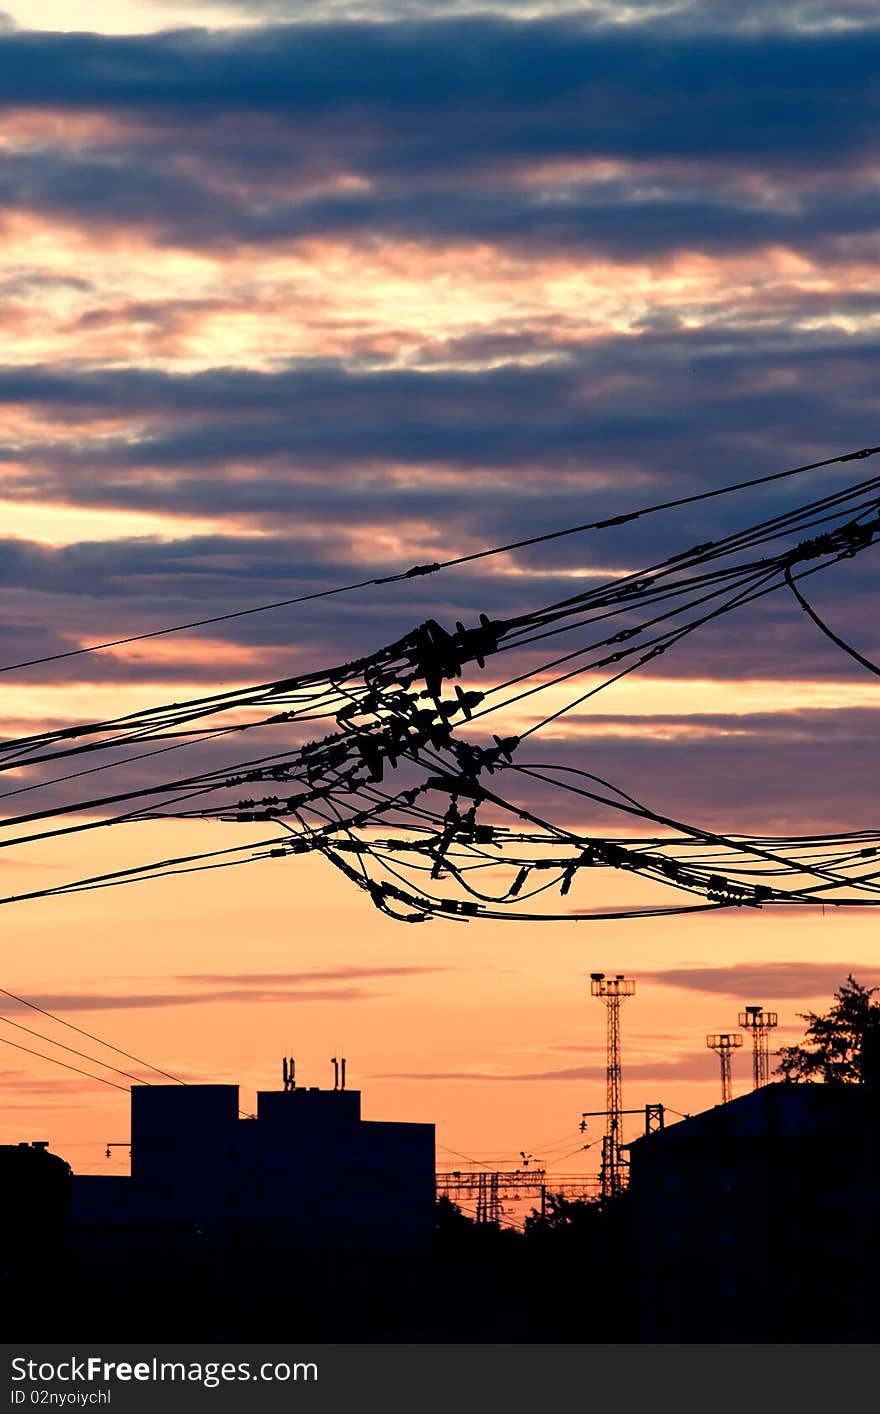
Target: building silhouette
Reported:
[(759, 1220), (306, 1172), (34, 1201), (35, 1191), (755, 1221)]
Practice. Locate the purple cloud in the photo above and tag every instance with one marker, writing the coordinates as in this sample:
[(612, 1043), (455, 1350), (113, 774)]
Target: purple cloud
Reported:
[(766, 982)]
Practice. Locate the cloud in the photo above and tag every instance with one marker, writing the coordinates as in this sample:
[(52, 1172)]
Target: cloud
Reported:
[(375, 294), (689, 1066), (245, 987), (18, 1082), (750, 16), (100, 1001), (772, 981), (515, 72), (617, 219), (380, 130), (619, 424), (260, 980)]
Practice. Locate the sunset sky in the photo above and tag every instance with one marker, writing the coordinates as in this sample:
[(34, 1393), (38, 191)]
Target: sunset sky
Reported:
[(299, 294)]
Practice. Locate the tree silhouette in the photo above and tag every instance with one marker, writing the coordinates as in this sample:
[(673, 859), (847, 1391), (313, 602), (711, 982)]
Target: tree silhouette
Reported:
[(449, 1218), (562, 1214), (837, 1042)]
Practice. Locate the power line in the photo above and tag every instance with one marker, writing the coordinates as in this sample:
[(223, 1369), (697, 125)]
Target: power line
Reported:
[(330, 791), (432, 568), (645, 510), (72, 1049), (90, 1036), (245, 1114), (829, 632), (102, 1080)]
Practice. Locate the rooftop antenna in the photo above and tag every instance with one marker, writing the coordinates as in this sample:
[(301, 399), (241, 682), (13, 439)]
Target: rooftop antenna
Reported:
[(335, 1063), (343, 1072), (724, 1043), (613, 991), (289, 1072), (760, 1023)]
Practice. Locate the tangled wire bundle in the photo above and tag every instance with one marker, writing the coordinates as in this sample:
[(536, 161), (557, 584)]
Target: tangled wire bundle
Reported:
[(421, 796)]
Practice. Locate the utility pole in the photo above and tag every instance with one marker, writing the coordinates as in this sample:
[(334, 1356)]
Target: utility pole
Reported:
[(760, 1023), (724, 1043), (655, 1118), (612, 991), (489, 1206)]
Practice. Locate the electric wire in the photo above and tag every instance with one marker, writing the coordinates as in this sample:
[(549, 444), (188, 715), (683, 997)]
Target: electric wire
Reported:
[(417, 570), (7, 1021), (90, 1035), (101, 1079), (384, 723)]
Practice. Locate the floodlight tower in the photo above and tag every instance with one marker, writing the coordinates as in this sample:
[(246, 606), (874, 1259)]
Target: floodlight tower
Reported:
[(760, 1023), (724, 1043), (613, 991)]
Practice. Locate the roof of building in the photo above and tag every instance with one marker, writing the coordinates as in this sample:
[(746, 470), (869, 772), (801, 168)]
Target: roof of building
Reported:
[(781, 1110)]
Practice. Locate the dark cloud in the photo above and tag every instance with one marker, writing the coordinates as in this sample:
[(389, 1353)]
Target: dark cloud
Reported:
[(615, 219), (543, 86), (725, 783), (618, 422), (113, 589), (376, 131), (766, 982), (56, 614), (444, 146)]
